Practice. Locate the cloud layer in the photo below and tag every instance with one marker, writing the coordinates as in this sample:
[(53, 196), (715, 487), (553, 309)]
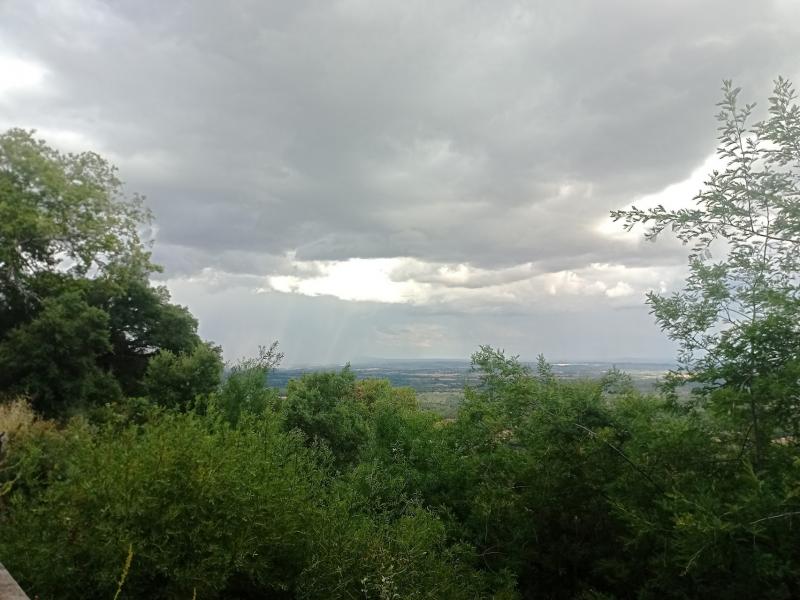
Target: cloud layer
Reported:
[(456, 157)]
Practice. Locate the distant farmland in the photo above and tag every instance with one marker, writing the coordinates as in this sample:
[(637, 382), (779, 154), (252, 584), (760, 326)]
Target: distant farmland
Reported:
[(453, 375)]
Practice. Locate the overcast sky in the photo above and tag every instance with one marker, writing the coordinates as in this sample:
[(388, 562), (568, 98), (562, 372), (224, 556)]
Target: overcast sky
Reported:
[(400, 179)]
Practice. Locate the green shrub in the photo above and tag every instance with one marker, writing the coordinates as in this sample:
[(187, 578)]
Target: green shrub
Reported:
[(180, 380), (324, 407), (205, 507), (245, 391)]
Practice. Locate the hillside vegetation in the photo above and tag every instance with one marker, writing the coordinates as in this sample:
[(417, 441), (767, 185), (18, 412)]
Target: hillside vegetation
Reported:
[(134, 466)]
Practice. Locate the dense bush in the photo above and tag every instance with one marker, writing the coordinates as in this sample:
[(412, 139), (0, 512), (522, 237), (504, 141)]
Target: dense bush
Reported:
[(324, 407), (184, 379), (539, 488), (203, 506), (211, 509)]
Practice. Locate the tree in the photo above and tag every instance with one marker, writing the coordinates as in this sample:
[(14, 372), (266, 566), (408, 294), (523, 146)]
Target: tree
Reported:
[(371, 392), (55, 355), (60, 211), (179, 380), (245, 389), (324, 407), (74, 280), (142, 322), (736, 320)]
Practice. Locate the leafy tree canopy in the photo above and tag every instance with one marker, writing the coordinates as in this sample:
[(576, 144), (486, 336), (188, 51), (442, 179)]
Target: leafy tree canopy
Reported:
[(60, 211), (78, 314), (736, 320)]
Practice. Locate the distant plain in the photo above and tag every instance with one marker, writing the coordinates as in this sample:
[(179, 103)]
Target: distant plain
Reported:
[(440, 383)]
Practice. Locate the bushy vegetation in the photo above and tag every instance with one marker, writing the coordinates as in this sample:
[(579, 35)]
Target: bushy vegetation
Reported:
[(132, 466), (537, 488)]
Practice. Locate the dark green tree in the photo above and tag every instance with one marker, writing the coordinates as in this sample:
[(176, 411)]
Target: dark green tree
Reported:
[(56, 355), (182, 380), (74, 281), (245, 389), (142, 322), (324, 407)]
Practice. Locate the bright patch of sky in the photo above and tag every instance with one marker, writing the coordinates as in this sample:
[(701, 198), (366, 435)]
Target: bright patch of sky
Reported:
[(673, 197), (18, 75)]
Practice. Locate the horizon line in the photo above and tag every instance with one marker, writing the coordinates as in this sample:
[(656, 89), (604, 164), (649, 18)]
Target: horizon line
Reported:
[(372, 360)]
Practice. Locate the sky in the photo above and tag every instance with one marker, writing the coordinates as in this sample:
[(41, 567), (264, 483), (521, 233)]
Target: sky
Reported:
[(361, 178)]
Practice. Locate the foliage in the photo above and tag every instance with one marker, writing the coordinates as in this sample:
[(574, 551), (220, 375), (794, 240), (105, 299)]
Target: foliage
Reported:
[(192, 497), (736, 320), (180, 380), (245, 390), (79, 319), (539, 487), (323, 406), (615, 382), (373, 391), (58, 207), (228, 512), (16, 419), (18, 422), (56, 355), (372, 556), (142, 322)]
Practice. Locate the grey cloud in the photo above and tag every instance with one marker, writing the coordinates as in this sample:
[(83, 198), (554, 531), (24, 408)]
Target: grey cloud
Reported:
[(418, 335), (443, 131), (185, 261), (325, 330), (280, 116), (460, 275)]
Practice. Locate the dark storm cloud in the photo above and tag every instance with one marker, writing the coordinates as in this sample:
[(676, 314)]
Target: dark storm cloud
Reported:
[(485, 133), (417, 129)]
